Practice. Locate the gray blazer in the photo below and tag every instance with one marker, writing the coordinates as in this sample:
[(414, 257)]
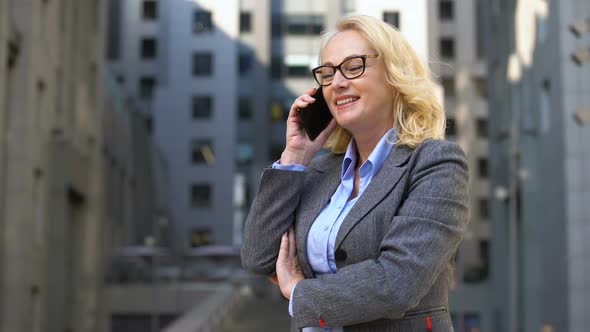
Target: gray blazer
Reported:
[(393, 251)]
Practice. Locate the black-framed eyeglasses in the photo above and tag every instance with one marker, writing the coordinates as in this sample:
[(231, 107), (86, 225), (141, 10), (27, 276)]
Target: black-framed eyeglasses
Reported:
[(351, 67)]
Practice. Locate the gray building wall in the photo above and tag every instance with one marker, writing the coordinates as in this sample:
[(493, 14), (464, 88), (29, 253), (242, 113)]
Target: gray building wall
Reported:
[(538, 157), (174, 129), (50, 181), (59, 175)]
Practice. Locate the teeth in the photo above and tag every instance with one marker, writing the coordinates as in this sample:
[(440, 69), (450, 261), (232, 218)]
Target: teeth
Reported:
[(345, 101)]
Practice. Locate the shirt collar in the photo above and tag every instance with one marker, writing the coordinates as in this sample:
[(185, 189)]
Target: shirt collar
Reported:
[(376, 158)]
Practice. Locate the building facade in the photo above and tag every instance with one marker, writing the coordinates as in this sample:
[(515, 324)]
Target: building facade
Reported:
[(74, 176), (539, 152)]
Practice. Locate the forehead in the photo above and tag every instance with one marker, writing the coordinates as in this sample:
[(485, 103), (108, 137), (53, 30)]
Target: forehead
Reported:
[(344, 44)]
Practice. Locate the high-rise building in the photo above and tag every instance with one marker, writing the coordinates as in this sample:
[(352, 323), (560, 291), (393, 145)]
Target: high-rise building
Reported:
[(539, 156)]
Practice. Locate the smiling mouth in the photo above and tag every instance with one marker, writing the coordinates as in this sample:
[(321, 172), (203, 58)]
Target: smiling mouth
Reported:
[(346, 101)]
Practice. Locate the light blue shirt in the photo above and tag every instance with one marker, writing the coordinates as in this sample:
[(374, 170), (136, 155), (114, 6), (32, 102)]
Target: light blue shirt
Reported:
[(322, 235)]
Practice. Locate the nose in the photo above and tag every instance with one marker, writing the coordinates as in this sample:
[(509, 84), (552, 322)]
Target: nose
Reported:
[(339, 81)]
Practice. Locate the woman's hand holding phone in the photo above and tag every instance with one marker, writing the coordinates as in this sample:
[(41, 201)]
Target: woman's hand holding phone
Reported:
[(299, 148)]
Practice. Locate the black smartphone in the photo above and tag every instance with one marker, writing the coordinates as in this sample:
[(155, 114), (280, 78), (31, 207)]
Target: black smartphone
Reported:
[(316, 116)]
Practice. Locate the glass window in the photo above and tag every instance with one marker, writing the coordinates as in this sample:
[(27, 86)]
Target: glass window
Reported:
[(245, 22), (245, 108), (448, 84), (392, 18), (146, 87), (202, 21), (482, 167), (446, 10), (202, 107), (277, 111), (275, 151), (276, 25), (150, 10), (149, 48), (480, 87), (447, 48), (451, 129), (305, 24), (202, 152), (481, 128), (201, 195), (299, 71), (202, 64), (245, 62), (276, 67), (245, 153), (201, 237), (483, 208)]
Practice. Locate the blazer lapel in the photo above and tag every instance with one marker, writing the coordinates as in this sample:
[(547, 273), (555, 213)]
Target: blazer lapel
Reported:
[(323, 184), (385, 180)]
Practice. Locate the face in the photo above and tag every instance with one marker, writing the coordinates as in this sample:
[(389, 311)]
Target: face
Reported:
[(363, 104)]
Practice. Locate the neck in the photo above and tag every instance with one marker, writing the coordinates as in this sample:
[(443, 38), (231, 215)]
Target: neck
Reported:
[(366, 143)]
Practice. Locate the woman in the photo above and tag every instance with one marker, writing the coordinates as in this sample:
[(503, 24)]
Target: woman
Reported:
[(362, 239)]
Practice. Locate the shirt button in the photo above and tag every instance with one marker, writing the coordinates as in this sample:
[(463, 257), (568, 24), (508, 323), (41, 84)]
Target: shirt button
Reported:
[(326, 228)]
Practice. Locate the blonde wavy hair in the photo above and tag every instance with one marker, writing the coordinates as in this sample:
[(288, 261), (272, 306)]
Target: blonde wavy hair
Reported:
[(417, 112)]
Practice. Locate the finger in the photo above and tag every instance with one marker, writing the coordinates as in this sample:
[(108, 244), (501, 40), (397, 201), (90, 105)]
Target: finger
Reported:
[(311, 91), (274, 279), (323, 136), (292, 244), (284, 249)]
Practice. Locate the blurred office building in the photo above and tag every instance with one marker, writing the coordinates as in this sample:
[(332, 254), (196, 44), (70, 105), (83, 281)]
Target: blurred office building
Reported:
[(539, 68), (76, 178)]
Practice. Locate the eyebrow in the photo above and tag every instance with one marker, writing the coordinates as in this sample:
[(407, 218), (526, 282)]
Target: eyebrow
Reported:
[(348, 57)]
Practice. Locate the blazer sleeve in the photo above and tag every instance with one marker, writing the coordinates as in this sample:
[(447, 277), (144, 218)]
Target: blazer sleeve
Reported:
[(271, 214), (423, 236)]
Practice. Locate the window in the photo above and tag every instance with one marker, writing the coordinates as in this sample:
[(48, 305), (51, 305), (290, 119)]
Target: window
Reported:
[(201, 237), (391, 18), (149, 48), (245, 153), (245, 62), (202, 152), (451, 129), (482, 168), (245, 108), (446, 10), (481, 128), (245, 22), (150, 10), (447, 48), (448, 84), (483, 208), (202, 21), (480, 87), (275, 151), (277, 112), (146, 87), (201, 195), (276, 67), (202, 64), (298, 71), (202, 107), (305, 24)]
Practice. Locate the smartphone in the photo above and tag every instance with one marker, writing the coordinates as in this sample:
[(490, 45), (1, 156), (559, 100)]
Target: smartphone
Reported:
[(316, 116)]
